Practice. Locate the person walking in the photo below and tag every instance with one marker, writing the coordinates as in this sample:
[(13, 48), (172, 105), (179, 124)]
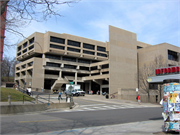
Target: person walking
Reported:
[(59, 96), (138, 98)]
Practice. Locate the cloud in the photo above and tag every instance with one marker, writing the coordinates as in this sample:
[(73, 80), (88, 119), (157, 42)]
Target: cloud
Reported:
[(154, 21)]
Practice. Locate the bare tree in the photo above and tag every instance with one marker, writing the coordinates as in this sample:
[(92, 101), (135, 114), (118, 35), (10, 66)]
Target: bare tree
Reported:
[(149, 70), (21, 12), (8, 67)]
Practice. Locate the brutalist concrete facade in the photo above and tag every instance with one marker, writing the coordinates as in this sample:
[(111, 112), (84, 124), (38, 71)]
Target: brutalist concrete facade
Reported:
[(51, 60)]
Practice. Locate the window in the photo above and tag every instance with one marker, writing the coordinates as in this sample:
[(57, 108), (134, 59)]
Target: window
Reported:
[(101, 54), (139, 47), (31, 40), (94, 61), (30, 64), (31, 47), (57, 40), (51, 72), (17, 74), (84, 68), (88, 52), (19, 48), (105, 66), (25, 44), (88, 46), (19, 54), (52, 64), (74, 43), (105, 72), (69, 66), (83, 61), (57, 46), (52, 57), (17, 68), (23, 73), (69, 59), (92, 74), (102, 49), (73, 49), (94, 68), (23, 66), (105, 82), (24, 50), (172, 55), (153, 86)]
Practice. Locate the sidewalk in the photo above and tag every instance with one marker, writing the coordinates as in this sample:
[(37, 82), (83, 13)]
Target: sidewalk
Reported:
[(135, 128), (101, 98)]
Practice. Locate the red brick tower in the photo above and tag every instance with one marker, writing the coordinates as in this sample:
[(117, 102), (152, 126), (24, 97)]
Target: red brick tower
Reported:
[(2, 23)]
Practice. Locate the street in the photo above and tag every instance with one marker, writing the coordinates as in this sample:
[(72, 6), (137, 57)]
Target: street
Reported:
[(88, 113)]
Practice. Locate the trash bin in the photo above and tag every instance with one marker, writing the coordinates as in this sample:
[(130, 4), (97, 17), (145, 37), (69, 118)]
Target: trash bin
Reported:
[(107, 96)]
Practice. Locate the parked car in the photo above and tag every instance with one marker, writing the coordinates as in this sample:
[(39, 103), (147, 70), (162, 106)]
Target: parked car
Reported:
[(78, 92), (75, 93), (67, 92), (81, 92)]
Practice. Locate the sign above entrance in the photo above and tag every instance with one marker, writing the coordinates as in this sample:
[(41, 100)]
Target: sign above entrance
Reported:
[(167, 70)]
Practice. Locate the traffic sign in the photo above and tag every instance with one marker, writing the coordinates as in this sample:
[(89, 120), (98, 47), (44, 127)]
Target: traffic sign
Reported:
[(71, 83)]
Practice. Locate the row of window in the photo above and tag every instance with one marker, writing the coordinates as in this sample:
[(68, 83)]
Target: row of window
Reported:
[(26, 43), (67, 58), (76, 50), (25, 50), (76, 44)]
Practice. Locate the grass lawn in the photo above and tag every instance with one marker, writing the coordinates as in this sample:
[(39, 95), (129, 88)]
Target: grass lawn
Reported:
[(15, 95)]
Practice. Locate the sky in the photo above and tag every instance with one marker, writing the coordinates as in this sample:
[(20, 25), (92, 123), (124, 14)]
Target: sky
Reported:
[(154, 21)]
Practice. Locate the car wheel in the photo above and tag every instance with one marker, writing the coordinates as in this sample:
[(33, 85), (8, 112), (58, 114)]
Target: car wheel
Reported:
[(83, 95), (77, 94)]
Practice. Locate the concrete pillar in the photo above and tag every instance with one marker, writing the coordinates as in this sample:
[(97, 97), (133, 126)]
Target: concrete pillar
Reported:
[(89, 86), (100, 89), (43, 56), (75, 78), (36, 99), (9, 99), (65, 46), (60, 74)]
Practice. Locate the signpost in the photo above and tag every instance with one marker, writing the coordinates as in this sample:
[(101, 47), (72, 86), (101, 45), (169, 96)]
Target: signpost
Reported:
[(70, 89)]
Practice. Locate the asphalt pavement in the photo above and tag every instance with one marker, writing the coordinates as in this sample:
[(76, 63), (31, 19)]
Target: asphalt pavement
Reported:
[(148, 127)]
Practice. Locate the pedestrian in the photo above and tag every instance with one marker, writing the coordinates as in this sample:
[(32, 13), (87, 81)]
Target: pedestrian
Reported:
[(91, 92), (138, 98), (59, 97), (29, 91), (41, 89)]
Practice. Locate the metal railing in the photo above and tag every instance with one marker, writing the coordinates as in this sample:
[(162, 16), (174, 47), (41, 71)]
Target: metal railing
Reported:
[(46, 99), (10, 99), (27, 100)]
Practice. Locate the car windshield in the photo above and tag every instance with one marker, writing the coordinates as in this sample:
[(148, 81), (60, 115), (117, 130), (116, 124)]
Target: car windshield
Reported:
[(79, 90)]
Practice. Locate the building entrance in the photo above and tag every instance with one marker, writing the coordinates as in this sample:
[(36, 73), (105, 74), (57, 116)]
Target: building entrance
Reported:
[(95, 87)]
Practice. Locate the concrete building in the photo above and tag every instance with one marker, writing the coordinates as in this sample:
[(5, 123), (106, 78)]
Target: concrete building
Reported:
[(50, 60)]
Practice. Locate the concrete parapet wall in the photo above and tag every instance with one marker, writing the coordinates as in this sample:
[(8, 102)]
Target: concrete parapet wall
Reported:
[(13, 109), (131, 94)]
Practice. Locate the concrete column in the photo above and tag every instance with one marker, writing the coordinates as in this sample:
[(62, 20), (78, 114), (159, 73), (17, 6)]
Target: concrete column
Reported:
[(100, 89), (60, 74), (75, 78), (43, 56), (90, 86), (9, 99), (65, 46)]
